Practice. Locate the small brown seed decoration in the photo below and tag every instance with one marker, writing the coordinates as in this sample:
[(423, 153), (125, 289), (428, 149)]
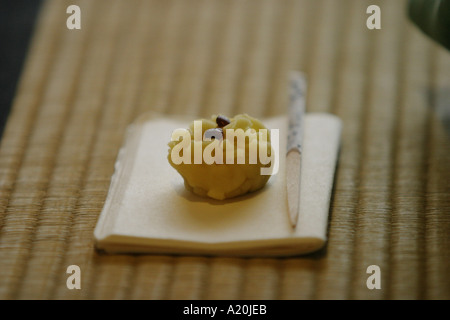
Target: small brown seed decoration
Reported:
[(216, 133), (222, 121)]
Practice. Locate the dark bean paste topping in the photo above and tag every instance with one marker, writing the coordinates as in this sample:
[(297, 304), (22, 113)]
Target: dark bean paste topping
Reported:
[(222, 121)]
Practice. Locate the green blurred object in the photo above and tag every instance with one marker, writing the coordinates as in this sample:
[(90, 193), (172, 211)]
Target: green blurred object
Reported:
[(433, 18)]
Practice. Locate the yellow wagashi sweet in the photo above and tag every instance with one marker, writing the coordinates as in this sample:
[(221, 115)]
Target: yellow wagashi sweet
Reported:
[(216, 177)]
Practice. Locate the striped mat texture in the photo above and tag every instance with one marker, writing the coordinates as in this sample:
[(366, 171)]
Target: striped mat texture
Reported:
[(81, 88)]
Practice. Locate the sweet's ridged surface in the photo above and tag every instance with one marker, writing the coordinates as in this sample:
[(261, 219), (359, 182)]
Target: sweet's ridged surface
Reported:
[(223, 167)]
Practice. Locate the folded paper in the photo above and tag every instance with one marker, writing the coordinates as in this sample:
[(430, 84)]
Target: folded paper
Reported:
[(148, 209)]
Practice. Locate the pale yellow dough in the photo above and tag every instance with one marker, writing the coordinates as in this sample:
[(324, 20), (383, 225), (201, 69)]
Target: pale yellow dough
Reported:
[(223, 181)]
